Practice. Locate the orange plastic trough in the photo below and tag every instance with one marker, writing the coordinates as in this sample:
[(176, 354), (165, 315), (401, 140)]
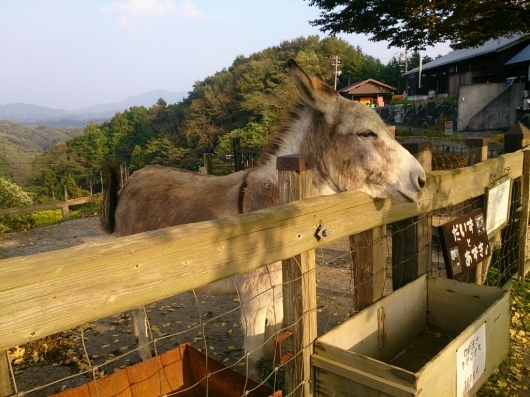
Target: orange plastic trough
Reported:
[(181, 372)]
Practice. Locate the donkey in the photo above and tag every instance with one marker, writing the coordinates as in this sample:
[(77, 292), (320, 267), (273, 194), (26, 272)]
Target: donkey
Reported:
[(352, 150)]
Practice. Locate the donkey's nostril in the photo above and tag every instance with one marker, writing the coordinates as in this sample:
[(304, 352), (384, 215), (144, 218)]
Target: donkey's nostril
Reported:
[(421, 182)]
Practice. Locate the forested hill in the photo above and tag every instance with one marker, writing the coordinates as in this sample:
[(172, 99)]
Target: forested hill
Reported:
[(250, 98), (20, 144)]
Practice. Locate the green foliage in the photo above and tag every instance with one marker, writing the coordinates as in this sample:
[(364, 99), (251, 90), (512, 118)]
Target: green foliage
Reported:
[(416, 24), (253, 136), (12, 195), (47, 217), (20, 144)]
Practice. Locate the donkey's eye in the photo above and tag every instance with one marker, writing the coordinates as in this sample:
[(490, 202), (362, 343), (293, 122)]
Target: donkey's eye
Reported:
[(367, 134)]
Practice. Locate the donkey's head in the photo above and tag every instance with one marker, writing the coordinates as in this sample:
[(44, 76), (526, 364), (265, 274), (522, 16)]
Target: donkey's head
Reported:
[(352, 145)]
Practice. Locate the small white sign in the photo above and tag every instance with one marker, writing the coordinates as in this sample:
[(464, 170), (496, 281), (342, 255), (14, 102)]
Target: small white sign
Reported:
[(470, 361), (497, 205)]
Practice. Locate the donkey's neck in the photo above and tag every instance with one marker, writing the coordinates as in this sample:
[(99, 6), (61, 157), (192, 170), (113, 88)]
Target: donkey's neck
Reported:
[(299, 139)]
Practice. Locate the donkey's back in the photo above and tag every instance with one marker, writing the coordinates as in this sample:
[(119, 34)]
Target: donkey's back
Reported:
[(156, 197)]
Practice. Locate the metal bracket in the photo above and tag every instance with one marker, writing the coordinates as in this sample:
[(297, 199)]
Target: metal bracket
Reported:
[(322, 232), (280, 358)]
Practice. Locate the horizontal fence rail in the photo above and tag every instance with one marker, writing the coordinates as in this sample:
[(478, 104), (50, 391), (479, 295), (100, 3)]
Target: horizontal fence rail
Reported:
[(50, 292), (49, 206)]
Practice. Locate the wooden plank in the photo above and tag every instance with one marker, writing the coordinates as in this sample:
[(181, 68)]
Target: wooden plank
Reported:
[(354, 382), (48, 206), (365, 364), (50, 292), (405, 317), (454, 305), (6, 388)]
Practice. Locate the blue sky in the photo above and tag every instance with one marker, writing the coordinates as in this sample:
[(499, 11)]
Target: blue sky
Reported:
[(77, 53)]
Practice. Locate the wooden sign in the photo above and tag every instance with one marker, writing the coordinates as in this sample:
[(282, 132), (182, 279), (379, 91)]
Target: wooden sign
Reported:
[(464, 243), (498, 196)]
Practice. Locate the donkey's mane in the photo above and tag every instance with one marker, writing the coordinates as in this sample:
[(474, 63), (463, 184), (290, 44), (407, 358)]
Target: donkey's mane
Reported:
[(277, 139)]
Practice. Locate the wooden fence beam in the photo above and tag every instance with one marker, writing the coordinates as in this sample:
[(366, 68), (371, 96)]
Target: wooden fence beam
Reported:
[(412, 238), (55, 291), (299, 283), (48, 206)]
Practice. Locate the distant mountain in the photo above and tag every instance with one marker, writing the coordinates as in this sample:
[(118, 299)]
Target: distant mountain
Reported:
[(148, 99), (42, 115)]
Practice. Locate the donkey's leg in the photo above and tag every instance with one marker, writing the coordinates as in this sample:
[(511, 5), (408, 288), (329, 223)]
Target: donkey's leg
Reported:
[(274, 319), (141, 334), (254, 326)]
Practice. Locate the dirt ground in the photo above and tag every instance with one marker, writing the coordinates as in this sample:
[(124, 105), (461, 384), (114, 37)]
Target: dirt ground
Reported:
[(211, 324)]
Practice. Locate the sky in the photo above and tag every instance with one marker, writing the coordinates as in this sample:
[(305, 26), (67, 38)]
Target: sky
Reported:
[(70, 54)]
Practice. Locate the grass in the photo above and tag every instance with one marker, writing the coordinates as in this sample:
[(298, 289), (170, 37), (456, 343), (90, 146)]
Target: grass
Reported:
[(511, 378)]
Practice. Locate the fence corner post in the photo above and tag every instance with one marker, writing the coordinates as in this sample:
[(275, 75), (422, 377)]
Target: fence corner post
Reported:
[(299, 282), (412, 238)]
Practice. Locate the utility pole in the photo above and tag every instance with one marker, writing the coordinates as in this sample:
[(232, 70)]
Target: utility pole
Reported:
[(336, 62)]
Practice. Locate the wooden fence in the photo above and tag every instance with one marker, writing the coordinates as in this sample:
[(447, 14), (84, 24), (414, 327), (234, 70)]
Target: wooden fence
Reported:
[(55, 291), (63, 205)]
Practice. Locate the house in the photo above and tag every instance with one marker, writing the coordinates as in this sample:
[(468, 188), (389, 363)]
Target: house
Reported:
[(369, 92), (489, 81)]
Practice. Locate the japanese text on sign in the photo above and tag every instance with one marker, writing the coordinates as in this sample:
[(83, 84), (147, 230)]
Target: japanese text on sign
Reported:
[(465, 243), (470, 361)]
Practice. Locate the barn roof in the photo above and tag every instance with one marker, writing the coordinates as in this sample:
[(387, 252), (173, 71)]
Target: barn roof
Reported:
[(491, 46), (360, 83)]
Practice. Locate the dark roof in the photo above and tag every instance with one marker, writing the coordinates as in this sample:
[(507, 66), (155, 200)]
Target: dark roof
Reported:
[(491, 46), (360, 83), (522, 56)]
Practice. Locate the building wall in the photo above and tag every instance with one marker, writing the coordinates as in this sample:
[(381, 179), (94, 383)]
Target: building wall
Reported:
[(500, 112), (473, 98)]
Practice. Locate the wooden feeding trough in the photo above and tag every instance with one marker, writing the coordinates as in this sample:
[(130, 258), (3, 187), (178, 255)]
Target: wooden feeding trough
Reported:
[(433, 337), (181, 372)]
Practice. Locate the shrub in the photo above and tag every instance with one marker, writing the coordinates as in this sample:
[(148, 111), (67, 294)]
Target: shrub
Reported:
[(12, 195)]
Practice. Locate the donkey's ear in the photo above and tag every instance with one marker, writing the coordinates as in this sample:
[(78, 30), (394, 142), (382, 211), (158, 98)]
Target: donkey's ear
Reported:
[(314, 91)]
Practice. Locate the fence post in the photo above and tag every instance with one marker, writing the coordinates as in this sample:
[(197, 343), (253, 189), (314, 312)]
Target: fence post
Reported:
[(236, 145), (299, 282), (208, 163), (525, 198), (478, 152), (6, 388), (412, 238), (515, 139), (368, 256), (65, 210)]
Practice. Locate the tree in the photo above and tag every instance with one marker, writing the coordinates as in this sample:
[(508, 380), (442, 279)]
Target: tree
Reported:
[(417, 24)]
